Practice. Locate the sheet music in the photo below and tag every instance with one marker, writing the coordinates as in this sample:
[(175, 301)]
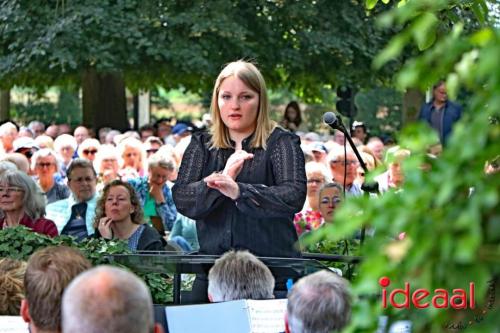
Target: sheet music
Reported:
[(13, 324), (267, 316)]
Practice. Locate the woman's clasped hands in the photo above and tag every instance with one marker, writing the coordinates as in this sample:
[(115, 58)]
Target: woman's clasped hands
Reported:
[(225, 181)]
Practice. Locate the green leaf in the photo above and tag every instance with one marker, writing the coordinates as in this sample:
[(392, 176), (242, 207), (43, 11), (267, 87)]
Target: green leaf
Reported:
[(424, 30), (390, 52), (370, 4)]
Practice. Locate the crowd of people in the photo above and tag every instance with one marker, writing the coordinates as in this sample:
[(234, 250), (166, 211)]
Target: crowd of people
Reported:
[(58, 290), (233, 180)]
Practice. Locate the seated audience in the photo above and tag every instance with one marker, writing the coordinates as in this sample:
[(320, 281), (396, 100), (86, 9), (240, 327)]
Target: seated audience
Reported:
[(22, 203), (106, 165), (344, 169), (330, 196), (44, 142), (152, 144), (45, 165), (74, 215), (359, 131), (65, 146), (184, 233), (318, 303), (49, 272), (393, 178), (132, 158), (21, 161), (377, 147), (81, 133), (154, 194), (11, 286), (8, 133), (119, 215), (239, 275), (108, 299), (88, 149)]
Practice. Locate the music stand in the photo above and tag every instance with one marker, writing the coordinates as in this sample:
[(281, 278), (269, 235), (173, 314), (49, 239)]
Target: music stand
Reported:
[(176, 264)]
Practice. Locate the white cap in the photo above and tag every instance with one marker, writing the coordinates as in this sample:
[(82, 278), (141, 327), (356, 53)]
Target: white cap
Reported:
[(24, 142)]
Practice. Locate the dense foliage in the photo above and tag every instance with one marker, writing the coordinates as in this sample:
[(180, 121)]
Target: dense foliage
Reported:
[(299, 44), (20, 243), (449, 206)]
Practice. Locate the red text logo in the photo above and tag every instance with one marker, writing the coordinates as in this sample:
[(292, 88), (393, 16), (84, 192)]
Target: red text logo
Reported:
[(423, 298)]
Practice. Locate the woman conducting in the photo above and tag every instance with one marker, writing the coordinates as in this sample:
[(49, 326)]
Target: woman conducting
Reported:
[(244, 181)]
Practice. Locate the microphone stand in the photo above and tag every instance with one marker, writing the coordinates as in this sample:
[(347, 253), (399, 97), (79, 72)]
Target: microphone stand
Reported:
[(340, 126)]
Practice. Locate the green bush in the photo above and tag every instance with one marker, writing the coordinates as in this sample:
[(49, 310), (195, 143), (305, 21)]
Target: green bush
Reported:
[(20, 242)]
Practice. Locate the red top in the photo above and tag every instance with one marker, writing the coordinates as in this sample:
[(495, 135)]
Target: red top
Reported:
[(41, 225)]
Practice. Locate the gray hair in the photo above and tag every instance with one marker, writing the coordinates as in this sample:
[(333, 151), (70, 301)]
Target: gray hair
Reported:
[(330, 185), (313, 166), (34, 123), (107, 299), (64, 140), (158, 160), (6, 128), (338, 152), (319, 303), (79, 163), (45, 152), (33, 200), (7, 165), (239, 275)]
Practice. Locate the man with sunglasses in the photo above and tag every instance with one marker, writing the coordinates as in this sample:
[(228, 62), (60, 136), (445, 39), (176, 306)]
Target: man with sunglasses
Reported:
[(74, 216)]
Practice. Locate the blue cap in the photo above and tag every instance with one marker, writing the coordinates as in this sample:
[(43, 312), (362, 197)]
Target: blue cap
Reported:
[(181, 128)]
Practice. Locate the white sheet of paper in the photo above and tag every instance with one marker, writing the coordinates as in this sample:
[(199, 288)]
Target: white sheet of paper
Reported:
[(13, 324), (267, 316)]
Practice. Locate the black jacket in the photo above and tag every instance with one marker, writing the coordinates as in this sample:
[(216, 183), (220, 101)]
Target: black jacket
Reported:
[(150, 239), (272, 189)]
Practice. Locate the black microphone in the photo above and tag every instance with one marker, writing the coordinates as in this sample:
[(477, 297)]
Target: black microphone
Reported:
[(333, 121)]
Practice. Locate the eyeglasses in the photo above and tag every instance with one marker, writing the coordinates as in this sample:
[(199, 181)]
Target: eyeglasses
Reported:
[(348, 162), (82, 179), (9, 190), (317, 181), (89, 152), (151, 151), (334, 201), (44, 165)]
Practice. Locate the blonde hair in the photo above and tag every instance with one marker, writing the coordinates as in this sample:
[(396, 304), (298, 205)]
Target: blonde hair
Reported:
[(251, 77), (12, 286)]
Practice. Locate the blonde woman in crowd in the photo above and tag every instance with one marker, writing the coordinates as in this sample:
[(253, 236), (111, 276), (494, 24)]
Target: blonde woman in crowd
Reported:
[(88, 149), (132, 158), (106, 166), (65, 146)]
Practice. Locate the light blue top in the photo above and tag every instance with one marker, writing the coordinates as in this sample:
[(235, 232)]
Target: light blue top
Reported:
[(60, 212)]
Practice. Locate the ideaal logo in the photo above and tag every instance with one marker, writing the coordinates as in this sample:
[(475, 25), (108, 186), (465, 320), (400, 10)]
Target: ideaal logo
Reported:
[(460, 299), (439, 299)]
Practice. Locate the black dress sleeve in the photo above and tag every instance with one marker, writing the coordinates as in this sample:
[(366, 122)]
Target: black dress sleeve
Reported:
[(287, 196), (192, 197)]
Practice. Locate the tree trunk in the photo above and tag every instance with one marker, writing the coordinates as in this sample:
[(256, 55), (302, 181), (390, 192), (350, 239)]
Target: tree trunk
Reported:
[(4, 104), (103, 100), (412, 101)]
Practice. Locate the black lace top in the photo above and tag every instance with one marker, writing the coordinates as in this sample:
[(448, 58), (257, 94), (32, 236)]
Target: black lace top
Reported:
[(272, 189)]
